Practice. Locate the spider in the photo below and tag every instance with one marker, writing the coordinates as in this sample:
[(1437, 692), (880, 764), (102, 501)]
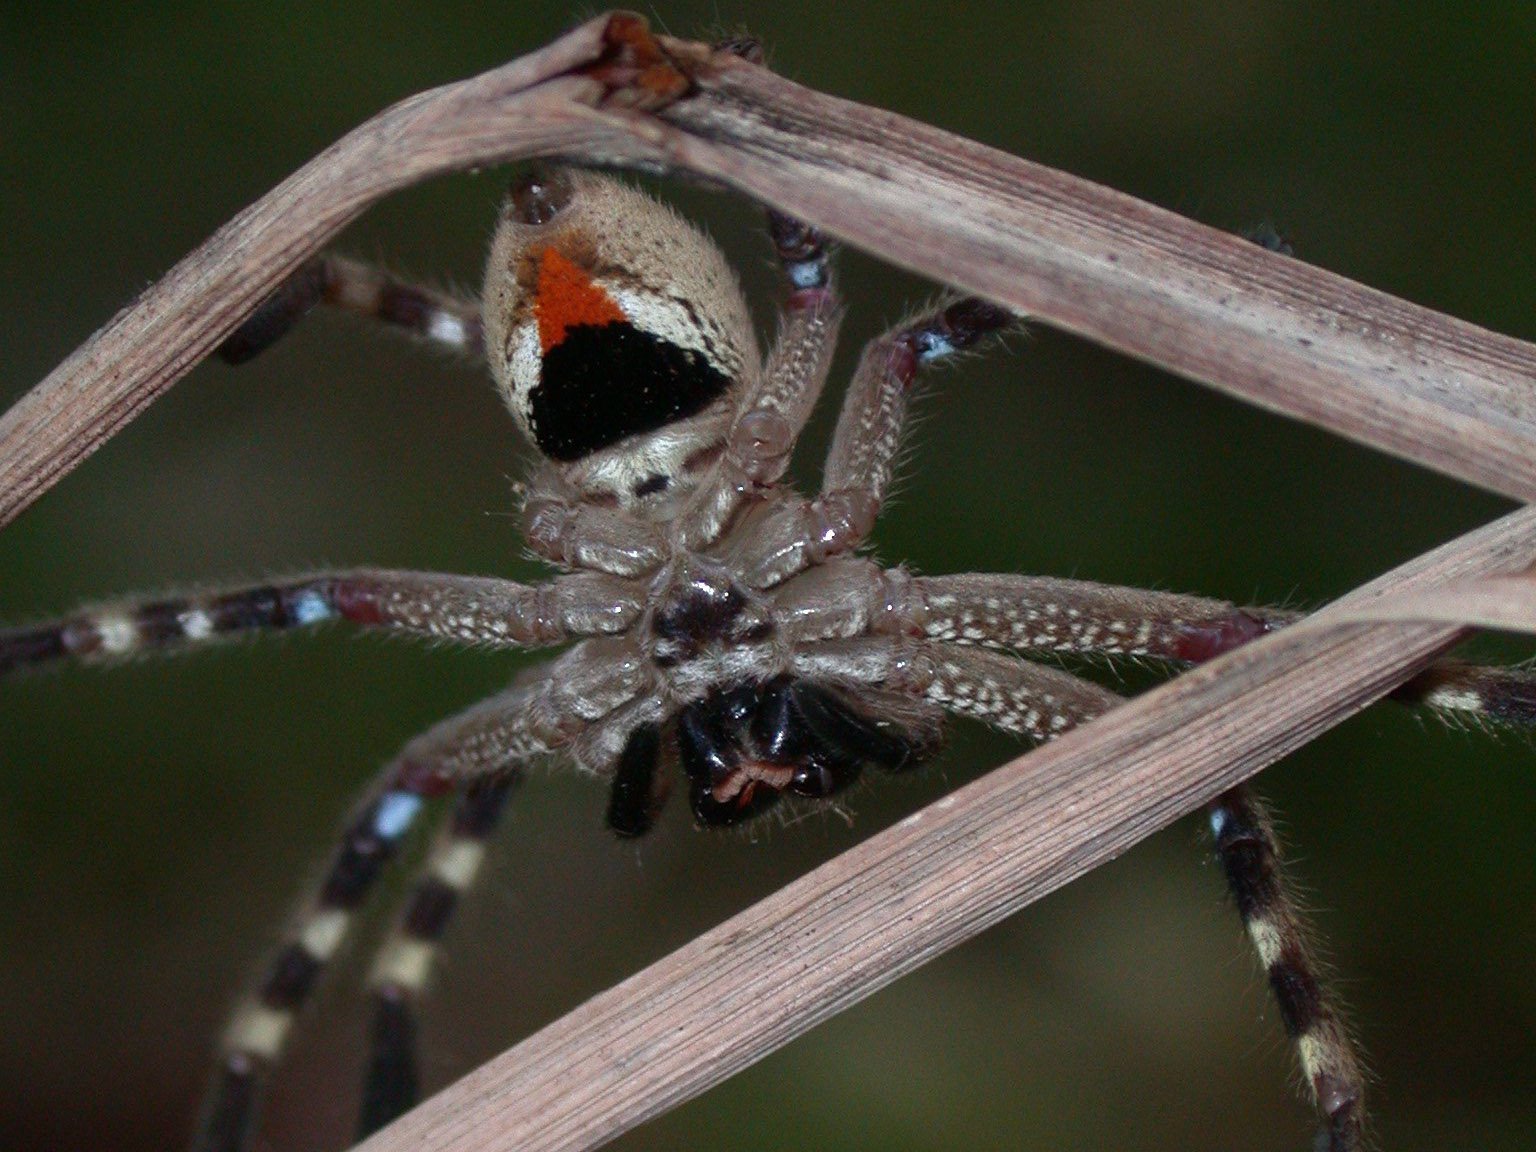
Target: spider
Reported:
[(719, 629)]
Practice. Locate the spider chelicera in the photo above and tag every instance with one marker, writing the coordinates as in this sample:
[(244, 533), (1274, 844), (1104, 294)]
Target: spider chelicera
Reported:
[(718, 627)]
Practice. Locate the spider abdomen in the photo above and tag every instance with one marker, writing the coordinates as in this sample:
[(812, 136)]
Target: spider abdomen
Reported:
[(617, 335)]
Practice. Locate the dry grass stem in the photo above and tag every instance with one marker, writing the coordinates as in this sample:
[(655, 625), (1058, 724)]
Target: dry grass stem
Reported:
[(1202, 303), (1192, 299)]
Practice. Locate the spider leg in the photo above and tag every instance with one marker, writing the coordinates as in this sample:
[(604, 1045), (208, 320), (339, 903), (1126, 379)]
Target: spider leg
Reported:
[(758, 447), (1041, 702), (1018, 696), (1047, 614), (864, 447), (489, 741), (1250, 857), (404, 964), (439, 317), (459, 609)]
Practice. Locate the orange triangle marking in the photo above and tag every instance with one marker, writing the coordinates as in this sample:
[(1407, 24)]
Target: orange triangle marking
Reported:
[(567, 297)]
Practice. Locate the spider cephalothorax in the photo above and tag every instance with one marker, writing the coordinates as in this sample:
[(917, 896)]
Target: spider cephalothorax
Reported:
[(717, 623)]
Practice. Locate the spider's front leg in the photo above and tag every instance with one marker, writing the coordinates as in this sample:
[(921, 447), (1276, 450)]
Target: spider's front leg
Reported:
[(479, 753), (1027, 699), (1044, 614), (931, 637)]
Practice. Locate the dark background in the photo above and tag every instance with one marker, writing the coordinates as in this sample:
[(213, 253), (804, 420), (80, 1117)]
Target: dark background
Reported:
[(156, 820)]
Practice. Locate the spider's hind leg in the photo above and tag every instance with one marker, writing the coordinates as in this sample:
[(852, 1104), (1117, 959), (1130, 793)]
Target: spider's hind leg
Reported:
[(258, 1031), (438, 317), (862, 459)]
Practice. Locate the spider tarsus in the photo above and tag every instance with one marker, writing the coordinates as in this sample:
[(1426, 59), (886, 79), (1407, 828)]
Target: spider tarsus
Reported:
[(230, 1112), (391, 1083)]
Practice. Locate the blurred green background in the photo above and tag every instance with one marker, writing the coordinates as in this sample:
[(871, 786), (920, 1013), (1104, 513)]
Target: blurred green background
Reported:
[(156, 820)]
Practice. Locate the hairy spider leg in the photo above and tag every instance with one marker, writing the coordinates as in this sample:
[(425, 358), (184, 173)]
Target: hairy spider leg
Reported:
[(1040, 614), (1043, 614), (404, 963), (1051, 614), (774, 412), (441, 318), (1018, 696), (478, 753), (1250, 858), (255, 1037), (862, 458), (403, 968), (460, 609), (1041, 703)]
